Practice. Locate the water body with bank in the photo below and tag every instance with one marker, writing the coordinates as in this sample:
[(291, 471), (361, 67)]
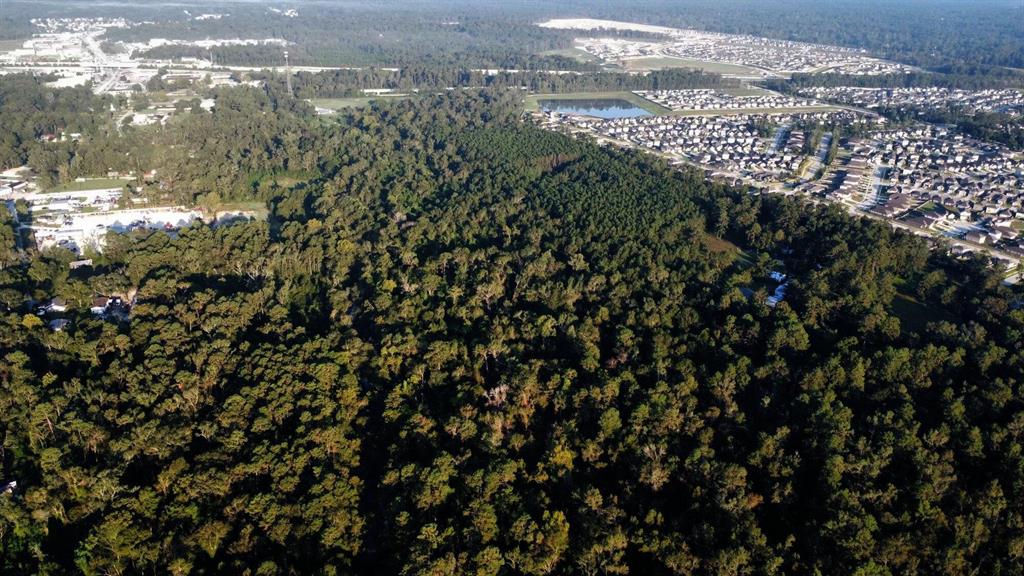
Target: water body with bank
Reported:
[(607, 108)]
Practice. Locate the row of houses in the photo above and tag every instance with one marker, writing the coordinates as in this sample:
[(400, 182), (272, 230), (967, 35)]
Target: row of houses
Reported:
[(765, 53), (777, 55), (932, 163), (731, 143), (924, 98), (853, 178), (10, 187), (707, 99)]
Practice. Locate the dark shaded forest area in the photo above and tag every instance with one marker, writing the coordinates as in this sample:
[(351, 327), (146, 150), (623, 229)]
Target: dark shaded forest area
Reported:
[(461, 344)]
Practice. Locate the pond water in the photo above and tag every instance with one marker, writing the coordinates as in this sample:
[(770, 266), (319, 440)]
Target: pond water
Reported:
[(597, 107)]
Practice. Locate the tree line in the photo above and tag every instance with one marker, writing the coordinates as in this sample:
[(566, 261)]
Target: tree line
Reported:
[(342, 83)]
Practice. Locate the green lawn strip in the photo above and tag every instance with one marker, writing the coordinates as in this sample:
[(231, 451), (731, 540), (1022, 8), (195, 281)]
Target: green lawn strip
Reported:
[(574, 53), (339, 103), (801, 169), (9, 45), (93, 184), (661, 62)]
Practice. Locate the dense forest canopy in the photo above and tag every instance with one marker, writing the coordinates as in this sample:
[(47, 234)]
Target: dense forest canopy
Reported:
[(461, 344), (30, 110), (224, 150)]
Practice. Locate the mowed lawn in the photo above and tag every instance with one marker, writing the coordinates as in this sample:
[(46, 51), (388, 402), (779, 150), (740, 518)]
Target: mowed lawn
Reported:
[(353, 102), (93, 184), (339, 103), (258, 209), (913, 314), (663, 62), (574, 53)]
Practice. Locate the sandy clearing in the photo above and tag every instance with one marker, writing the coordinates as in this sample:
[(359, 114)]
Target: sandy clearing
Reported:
[(593, 24)]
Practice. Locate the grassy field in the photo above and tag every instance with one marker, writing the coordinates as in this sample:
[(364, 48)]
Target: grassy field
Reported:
[(533, 99), (574, 53), (719, 245), (716, 244), (662, 62), (8, 45), (339, 103), (913, 314), (96, 184), (355, 102), (259, 209), (743, 259)]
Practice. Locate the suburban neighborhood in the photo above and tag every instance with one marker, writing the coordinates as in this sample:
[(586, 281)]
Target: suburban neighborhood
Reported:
[(926, 178)]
